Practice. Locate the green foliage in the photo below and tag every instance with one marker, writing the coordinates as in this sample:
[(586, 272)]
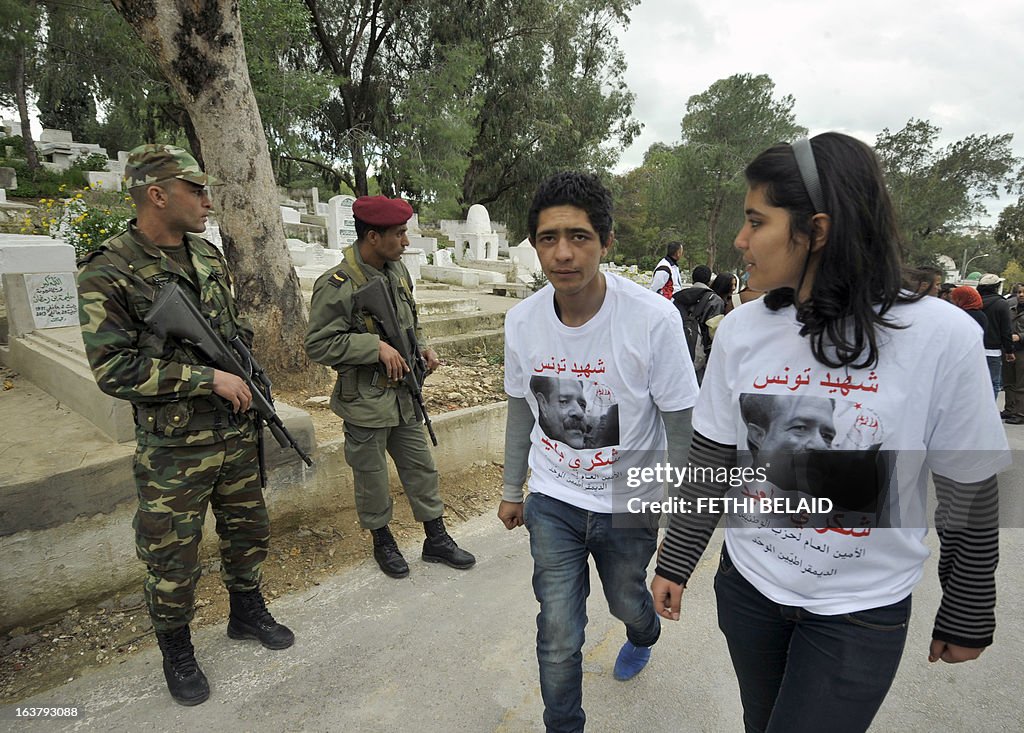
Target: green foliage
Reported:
[(34, 183), (938, 191), (1009, 231), (16, 144), (91, 162), (1013, 273), (694, 190), (537, 281)]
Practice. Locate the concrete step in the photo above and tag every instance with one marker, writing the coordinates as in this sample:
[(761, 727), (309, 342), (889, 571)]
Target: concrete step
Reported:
[(437, 327), (488, 342), (54, 359), (446, 306), (505, 267)]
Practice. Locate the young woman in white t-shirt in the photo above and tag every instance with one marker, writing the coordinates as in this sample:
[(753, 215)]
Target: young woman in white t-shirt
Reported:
[(843, 365)]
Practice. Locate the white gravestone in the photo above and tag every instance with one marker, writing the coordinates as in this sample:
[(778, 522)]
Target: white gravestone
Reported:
[(443, 258), (53, 298), (341, 225), (104, 180), (474, 238), (525, 258)]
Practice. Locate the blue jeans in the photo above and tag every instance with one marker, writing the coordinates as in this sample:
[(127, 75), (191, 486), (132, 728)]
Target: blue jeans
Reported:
[(995, 370), (562, 537), (799, 671)]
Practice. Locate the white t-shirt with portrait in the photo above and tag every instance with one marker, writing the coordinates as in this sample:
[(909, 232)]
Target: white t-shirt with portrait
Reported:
[(926, 406), (596, 390)]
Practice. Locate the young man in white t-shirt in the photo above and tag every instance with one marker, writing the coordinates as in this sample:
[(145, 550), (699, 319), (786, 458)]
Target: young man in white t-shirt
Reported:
[(592, 370)]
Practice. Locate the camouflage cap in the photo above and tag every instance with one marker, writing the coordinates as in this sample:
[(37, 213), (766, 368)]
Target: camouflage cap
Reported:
[(152, 163)]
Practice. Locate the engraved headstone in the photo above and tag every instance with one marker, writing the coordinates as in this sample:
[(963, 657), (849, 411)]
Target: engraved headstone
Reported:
[(341, 225), (53, 298)]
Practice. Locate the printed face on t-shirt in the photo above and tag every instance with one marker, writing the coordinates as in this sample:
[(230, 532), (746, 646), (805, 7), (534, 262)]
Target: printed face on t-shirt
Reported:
[(791, 424), (562, 411)]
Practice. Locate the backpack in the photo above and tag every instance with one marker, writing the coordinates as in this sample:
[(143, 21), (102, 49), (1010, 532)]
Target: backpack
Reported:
[(693, 314)]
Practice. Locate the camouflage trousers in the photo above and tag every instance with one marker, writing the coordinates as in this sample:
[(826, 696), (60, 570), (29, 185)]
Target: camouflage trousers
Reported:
[(175, 485), (407, 444)]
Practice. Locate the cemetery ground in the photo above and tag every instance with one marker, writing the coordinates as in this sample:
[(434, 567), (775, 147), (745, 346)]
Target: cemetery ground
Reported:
[(107, 631)]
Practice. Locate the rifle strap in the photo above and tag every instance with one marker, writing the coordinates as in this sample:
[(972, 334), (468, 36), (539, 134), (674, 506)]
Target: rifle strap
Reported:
[(127, 269), (351, 267)]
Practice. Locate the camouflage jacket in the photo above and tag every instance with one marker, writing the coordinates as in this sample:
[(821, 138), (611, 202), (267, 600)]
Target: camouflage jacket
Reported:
[(339, 338), (169, 386)]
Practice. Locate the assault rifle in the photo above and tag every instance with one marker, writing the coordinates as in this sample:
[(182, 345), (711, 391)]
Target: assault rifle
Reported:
[(374, 298), (174, 315)]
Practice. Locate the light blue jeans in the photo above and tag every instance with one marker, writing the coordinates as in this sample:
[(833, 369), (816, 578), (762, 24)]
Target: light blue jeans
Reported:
[(995, 369), (562, 538)]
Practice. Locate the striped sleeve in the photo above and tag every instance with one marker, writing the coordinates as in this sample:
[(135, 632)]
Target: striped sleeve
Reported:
[(966, 520), (688, 534)]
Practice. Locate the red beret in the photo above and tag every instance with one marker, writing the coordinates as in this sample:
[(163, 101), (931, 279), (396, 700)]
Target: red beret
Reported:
[(380, 211)]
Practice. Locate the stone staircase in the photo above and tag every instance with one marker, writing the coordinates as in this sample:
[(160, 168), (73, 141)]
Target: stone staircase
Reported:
[(460, 321)]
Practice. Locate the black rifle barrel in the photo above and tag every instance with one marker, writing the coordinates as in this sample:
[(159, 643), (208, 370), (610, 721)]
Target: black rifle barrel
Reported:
[(373, 297), (174, 315)]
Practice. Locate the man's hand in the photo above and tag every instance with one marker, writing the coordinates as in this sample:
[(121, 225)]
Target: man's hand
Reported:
[(232, 388), (1011, 358), (431, 360), (511, 514), (394, 365), (952, 653), (667, 597)]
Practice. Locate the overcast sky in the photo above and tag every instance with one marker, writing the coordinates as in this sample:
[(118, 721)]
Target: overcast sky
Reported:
[(856, 66)]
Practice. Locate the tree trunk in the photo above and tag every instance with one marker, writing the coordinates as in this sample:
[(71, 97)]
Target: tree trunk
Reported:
[(22, 101), (199, 48)]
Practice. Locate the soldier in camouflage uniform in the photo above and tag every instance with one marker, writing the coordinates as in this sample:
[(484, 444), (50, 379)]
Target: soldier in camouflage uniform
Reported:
[(370, 396), (197, 440)]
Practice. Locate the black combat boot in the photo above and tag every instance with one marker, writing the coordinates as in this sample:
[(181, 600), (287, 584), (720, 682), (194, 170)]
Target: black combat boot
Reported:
[(185, 681), (250, 619), (440, 547), (385, 552)]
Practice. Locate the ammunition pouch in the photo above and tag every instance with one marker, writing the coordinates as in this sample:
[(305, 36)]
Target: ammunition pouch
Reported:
[(172, 419)]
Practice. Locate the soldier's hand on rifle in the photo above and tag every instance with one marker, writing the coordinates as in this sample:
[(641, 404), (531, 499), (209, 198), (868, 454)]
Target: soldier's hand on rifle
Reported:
[(394, 365), (432, 362), (232, 388)]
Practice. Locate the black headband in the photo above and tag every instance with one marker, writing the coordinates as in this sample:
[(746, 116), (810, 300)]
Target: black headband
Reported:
[(809, 172)]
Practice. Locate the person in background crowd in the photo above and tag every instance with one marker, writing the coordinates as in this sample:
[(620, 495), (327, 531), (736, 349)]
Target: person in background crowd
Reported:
[(666, 279), (1013, 371), (998, 340), (725, 286), (967, 299)]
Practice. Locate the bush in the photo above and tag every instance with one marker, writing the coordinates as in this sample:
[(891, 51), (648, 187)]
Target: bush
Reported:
[(15, 142), (84, 220), (91, 162)]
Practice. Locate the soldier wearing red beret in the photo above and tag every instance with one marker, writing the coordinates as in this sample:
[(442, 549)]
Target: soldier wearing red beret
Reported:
[(370, 395)]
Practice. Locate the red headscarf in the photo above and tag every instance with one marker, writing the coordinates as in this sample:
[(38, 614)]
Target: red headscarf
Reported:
[(967, 298)]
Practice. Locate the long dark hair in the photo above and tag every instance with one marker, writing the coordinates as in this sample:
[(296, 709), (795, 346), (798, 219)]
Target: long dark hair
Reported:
[(859, 274)]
